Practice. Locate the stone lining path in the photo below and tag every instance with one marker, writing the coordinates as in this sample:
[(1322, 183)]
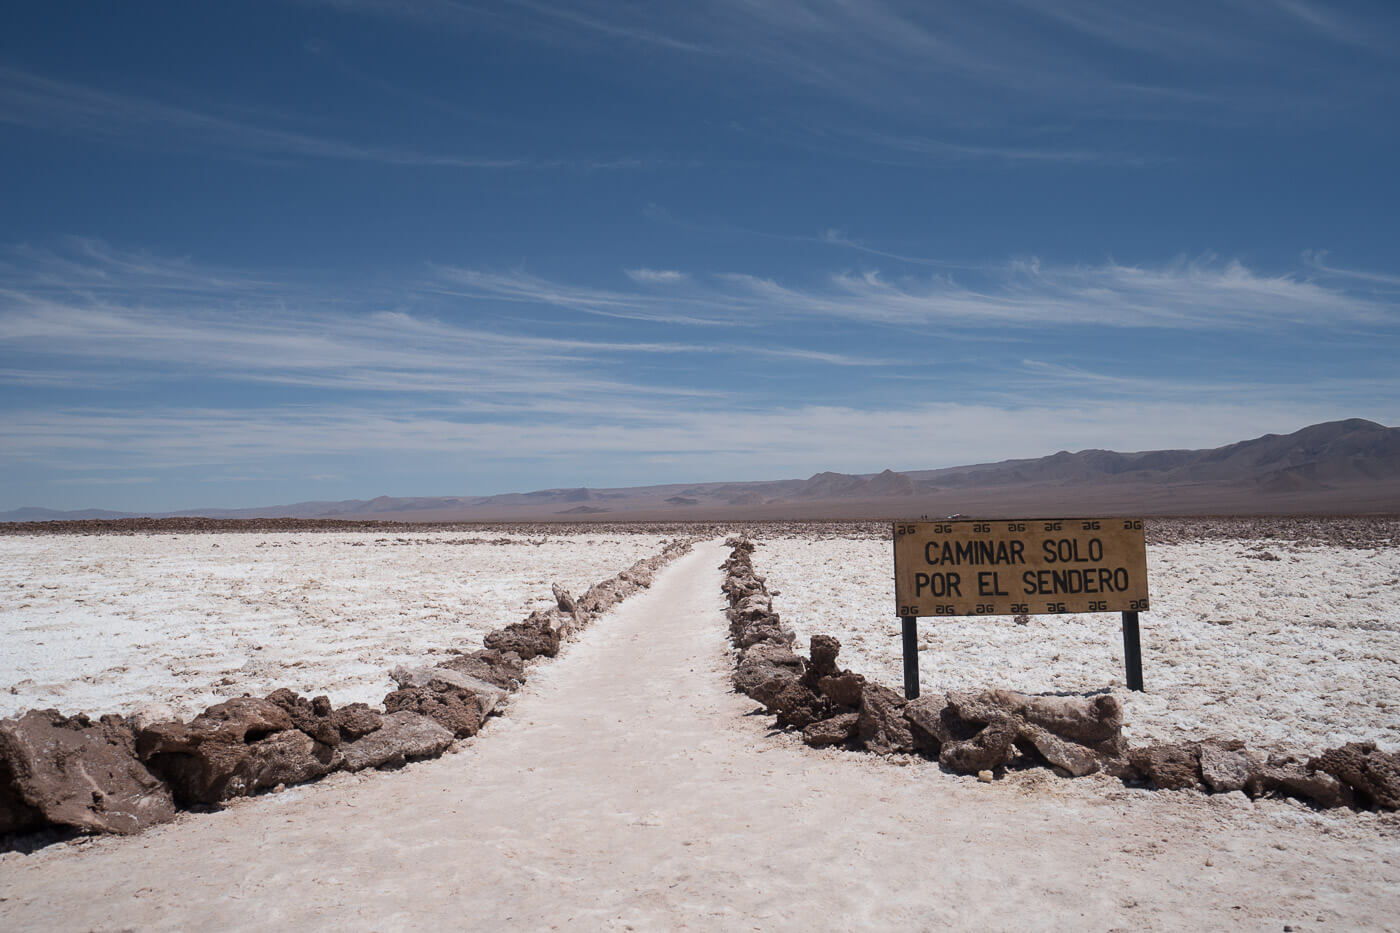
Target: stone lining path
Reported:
[(627, 788)]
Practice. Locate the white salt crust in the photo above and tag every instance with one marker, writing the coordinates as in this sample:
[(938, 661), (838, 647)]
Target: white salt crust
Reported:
[(1297, 654), (113, 623)]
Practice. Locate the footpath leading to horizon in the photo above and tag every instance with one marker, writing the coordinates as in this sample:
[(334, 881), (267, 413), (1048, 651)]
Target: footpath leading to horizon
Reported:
[(626, 787)]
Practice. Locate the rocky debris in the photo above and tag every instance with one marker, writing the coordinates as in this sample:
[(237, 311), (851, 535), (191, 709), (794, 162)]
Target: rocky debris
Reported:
[(834, 731), (310, 716), (452, 707), (356, 721), (881, 725), (234, 749), (1170, 766), (993, 746), (402, 736), (16, 816), (1286, 775), (765, 631), (1373, 775), (120, 775), (1077, 735), (932, 724), (764, 681), (843, 689), (978, 732), (779, 654), (488, 696), (824, 649), (768, 669), (1226, 765), (797, 707), (76, 772), (535, 637), (504, 669)]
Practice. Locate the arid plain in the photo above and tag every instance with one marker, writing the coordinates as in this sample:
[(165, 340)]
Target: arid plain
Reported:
[(627, 784)]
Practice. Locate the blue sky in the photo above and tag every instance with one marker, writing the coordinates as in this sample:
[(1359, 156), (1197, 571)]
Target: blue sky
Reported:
[(267, 252)]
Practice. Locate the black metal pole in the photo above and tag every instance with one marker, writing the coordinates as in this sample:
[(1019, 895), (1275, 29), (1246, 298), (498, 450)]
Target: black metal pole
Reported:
[(911, 656), (1132, 651)]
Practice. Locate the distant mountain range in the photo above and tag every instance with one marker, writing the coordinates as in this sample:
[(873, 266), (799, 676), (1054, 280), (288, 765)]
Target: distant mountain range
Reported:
[(1340, 466)]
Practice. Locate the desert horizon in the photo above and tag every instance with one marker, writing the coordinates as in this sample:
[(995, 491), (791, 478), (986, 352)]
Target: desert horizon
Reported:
[(1342, 467), (791, 465)]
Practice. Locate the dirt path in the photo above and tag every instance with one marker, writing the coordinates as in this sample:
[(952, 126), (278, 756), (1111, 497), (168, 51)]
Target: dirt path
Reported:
[(627, 788)]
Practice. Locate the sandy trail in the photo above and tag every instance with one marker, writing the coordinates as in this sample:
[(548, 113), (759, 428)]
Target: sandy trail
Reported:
[(627, 788)]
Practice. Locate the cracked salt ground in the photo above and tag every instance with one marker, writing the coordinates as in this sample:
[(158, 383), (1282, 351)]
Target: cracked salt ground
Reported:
[(522, 830), (111, 623), (1300, 653)]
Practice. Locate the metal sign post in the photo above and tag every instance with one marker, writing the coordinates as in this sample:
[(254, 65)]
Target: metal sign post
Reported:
[(1020, 567), (910, 624), (1132, 651)]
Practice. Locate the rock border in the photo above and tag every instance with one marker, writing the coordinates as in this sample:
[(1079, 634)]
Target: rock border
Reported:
[(121, 775), (984, 733)]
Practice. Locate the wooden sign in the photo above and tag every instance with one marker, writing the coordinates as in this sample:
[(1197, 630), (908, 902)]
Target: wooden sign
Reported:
[(1020, 567)]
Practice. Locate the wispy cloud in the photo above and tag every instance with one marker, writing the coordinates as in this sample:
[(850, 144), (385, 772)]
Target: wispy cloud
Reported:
[(739, 443), (423, 373), (948, 56), (1317, 261), (44, 103), (161, 319), (1184, 294), (532, 289), (656, 276)]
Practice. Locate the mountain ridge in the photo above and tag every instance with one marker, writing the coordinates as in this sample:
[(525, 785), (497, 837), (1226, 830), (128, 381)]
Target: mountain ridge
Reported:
[(1351, 464)]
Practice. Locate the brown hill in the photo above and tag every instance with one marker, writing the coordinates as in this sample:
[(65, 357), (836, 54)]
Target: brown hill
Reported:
[(1340, 466)]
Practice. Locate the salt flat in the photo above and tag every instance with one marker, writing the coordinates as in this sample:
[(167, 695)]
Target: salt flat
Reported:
[(626, 788), (1294, 653), (111, 623)]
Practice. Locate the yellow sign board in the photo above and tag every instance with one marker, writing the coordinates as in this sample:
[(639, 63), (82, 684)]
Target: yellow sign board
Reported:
[(1020, 566)]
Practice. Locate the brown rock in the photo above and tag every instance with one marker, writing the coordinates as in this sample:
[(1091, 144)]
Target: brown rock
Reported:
[(1073, 757), (768, 653), (16, 816), (992, 747), (403, 736), (932, 722), (356, 721), (824, 650), (843, 689), (882, 726), (1291, 778), (1095, 721), (796, 706), (452, 707), (79, 773), (1170, 767), (304, 717), (290, 757), (599, 598), (763, 681), (752, 608), (488, 696), (233, 749), (761, 632), (504, 669), (839, 728), (243, 720), (1374, 775), (563, 599), (1228, 766), (529, 639)]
